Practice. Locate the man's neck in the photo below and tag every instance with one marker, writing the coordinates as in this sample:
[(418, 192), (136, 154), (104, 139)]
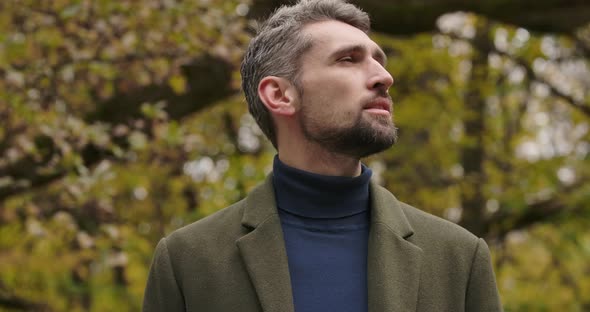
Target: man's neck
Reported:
[(298, 152), (321, 162)]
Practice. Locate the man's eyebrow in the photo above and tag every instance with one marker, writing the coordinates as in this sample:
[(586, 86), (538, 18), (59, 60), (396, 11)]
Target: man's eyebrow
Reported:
[(378, 54)]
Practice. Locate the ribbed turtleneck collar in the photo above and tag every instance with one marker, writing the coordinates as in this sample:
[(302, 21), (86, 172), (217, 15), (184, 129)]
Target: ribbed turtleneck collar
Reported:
[(313, 195)]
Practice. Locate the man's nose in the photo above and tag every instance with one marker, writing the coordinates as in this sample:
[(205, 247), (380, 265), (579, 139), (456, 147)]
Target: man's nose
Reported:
[(380, 77)]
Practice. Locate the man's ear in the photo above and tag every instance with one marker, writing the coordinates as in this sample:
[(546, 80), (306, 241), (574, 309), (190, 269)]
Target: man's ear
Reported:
[(278, 95)]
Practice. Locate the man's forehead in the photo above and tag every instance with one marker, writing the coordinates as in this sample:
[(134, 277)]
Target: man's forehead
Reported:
[(328, 36)]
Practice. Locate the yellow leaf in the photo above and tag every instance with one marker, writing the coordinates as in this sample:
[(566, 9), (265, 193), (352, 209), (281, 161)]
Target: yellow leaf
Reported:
[(178, 84)]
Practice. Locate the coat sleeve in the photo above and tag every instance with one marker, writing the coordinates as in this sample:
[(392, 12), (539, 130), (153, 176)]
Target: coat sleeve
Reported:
[(162, 292), (482, 292)]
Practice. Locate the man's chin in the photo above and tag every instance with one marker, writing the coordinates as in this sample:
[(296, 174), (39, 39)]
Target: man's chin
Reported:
[(381, 119), (374, 148), (370, 135), (382, 126), (380, 139)]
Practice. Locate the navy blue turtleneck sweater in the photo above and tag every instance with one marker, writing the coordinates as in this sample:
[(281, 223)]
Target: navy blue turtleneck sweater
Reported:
[(325, 222)]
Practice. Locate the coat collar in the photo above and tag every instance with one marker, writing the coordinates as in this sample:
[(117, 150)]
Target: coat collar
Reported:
[(393, 273), (263, 250), (393, 262)]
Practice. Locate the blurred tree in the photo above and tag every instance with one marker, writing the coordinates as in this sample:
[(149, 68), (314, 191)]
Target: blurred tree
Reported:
[(412, 16), (122, 121), (94, 94), (494, 135)]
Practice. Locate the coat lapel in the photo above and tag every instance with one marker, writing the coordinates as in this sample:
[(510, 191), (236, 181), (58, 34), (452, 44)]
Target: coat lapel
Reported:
[(263, 250), (393, 262)]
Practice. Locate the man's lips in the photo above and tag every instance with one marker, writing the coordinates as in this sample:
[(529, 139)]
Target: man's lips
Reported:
[(380, 105)]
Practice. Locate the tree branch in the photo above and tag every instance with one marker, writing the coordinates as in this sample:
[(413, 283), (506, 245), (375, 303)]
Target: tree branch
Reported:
[(208, 80), (584, 108), (538, 212), (13, 302), (412, 17)]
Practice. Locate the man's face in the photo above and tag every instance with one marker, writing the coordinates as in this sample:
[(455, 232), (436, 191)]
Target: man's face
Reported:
[(344, 104)]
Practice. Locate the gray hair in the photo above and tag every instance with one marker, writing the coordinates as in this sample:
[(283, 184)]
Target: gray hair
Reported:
[(278, 45)]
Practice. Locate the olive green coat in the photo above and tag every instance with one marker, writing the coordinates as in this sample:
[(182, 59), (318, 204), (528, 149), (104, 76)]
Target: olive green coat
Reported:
[(235, 260)]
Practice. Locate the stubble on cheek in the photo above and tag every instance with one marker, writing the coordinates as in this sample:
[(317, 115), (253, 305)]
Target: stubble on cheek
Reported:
[(330, 126)]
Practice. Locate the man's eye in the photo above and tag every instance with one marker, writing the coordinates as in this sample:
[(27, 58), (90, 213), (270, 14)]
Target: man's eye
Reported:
[(346, 59)]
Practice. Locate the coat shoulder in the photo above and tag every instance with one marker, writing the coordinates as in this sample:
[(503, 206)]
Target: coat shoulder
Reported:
[(430, 227), (411, 222), (424, 221)]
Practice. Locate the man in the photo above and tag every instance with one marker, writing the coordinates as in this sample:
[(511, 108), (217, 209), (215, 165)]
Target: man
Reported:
[(318, 235)]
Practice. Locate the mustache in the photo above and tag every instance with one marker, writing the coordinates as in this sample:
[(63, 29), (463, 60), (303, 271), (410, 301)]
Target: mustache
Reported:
[(383, 93), (379, 96)]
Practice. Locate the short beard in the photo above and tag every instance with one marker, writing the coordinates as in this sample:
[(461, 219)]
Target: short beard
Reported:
[(360, 140)]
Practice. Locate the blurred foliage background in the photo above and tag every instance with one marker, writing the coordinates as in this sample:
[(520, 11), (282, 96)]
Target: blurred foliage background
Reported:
[(123, 120)]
